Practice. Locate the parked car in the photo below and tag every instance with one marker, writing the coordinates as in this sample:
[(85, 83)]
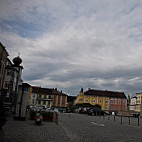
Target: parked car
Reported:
[(94, 111), (38, 108)]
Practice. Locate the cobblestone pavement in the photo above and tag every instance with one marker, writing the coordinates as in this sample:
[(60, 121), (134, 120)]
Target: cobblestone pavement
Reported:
[(84, 128), (28, 131), (75, 128)]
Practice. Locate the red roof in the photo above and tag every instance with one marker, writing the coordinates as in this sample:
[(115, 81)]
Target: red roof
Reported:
[(110, 94)]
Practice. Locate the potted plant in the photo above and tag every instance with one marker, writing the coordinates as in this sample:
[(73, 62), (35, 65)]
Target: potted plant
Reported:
[(47, 115)]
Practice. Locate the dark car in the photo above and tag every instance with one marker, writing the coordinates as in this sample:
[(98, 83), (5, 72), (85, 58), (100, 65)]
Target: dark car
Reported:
[(93, 111)]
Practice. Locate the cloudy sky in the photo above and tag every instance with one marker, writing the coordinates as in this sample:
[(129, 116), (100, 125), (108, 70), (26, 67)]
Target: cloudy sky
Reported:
[(74, 44)]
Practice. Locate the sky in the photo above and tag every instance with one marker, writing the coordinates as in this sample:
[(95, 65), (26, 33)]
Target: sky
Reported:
[(74, 44)]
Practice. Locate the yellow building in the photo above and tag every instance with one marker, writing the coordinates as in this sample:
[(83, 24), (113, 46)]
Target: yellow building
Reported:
[(138, 101), (29, 96), (84, 97), (106, 100), (59, 99)]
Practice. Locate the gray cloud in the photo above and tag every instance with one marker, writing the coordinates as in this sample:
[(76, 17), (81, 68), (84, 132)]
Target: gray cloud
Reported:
[(76, 44)]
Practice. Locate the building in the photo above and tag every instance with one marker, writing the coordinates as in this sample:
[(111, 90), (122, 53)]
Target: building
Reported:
[(70, 101), (33, 95), (45, 97), (107, 100), (138, 102), (12, 80), (59, 99), (133, 102), (8, 80), (3, 63)]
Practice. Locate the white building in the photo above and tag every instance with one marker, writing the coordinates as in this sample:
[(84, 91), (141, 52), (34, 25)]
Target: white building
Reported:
[(133, 103)]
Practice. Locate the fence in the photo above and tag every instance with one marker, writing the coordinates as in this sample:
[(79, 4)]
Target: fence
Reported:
[(130, 120)]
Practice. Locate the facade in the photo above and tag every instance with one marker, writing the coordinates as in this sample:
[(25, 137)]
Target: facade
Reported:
[(3, 61), (8, 80), (107, 100), (8, 74), (59, 99), (12, 79), (45, 97), (132, 105), (138, 102), (70, 101), (33, 95)]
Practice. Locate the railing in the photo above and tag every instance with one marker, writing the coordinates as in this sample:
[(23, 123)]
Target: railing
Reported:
[(130, 120)]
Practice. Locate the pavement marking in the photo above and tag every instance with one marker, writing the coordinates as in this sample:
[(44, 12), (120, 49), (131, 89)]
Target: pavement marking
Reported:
[(102, 125)]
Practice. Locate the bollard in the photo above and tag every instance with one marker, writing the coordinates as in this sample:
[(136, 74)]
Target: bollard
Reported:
[(121, 119), (56, 118), (129, 120), (114, 117), (138, 121), (103, 116)]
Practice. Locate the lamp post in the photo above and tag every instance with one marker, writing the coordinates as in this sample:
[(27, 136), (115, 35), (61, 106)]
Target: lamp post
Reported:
[(17, 61)]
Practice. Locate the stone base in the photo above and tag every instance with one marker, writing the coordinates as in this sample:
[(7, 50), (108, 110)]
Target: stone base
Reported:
[(20, 118), (1, 136)]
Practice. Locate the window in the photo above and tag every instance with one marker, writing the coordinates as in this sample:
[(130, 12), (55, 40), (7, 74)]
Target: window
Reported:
[(44, 102), (106, 101), (49, 103), (106, 107), (111, 101), (32, 101), (80, 100), (9, 72), (118, 108), (94, 101), (124, 103), (100, 101), (63, 98), (6, 84), (49, 97), (119, 102), (39, 95)]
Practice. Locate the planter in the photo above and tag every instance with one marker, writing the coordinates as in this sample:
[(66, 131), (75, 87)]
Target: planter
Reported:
[(1, 136), (47, 118)]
